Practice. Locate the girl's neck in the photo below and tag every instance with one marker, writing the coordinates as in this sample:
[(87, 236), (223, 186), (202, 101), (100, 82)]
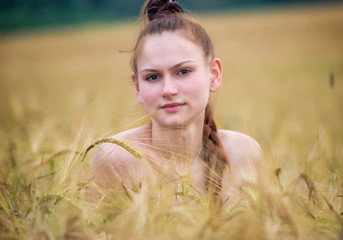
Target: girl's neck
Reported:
[(178, 144)]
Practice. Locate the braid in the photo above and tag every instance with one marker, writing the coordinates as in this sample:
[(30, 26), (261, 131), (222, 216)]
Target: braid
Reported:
[(214, 154)]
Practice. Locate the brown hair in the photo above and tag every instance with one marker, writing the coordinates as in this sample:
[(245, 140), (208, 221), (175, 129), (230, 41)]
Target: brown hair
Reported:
[(164, 15)]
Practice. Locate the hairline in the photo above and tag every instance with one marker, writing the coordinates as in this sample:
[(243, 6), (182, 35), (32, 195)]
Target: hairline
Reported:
[(191, 38)]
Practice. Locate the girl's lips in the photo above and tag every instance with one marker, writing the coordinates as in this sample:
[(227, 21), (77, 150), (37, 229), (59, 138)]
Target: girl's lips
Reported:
[(172, 107)]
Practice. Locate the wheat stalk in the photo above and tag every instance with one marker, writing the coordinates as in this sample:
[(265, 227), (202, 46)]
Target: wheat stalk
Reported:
[(128, 148)]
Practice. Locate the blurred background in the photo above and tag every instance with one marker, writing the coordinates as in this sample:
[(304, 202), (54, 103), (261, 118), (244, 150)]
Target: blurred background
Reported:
[(20, 14)]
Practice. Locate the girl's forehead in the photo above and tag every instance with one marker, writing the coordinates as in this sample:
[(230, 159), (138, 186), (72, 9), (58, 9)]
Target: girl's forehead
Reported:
[(168, 43), (169, 39), (172, 36)]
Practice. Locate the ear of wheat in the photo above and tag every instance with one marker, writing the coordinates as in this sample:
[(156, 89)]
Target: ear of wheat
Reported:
[(124, 145)]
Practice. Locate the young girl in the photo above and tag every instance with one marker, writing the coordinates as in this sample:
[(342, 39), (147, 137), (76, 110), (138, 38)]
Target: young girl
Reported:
[(174, 71)]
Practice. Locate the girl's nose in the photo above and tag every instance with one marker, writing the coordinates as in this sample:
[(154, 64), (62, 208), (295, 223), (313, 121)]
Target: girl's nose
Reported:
[(169, 87)]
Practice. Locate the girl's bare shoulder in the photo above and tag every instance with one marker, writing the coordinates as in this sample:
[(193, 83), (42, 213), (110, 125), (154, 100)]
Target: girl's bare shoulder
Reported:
[(117, 160), (128, 141), (240, 147), (245, 160)]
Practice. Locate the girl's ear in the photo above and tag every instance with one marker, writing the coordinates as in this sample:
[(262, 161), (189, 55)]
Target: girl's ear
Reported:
[(135, 82), (216, 74)]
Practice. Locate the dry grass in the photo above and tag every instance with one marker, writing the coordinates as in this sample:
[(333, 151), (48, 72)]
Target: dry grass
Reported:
[(62, 90)]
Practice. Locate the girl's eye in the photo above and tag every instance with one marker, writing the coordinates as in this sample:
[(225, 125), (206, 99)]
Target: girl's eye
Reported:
[(184, 71), (152, 77)]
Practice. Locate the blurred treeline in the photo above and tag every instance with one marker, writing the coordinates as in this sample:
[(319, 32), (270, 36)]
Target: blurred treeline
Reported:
[(28, 14)]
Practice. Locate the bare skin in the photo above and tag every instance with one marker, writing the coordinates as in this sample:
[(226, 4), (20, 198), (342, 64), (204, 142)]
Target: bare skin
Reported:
[(114, 165)]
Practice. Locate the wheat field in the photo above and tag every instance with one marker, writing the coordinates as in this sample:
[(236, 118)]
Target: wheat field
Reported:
[(63, 89)]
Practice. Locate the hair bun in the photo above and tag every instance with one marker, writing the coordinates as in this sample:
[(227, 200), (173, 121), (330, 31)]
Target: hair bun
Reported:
[(159, 8)]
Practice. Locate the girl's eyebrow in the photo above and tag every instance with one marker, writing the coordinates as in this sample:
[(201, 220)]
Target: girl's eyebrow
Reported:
[(180, 64), (173, 67)]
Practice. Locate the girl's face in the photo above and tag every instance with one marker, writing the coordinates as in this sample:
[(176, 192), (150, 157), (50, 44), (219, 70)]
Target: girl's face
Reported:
[(174, 79)]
